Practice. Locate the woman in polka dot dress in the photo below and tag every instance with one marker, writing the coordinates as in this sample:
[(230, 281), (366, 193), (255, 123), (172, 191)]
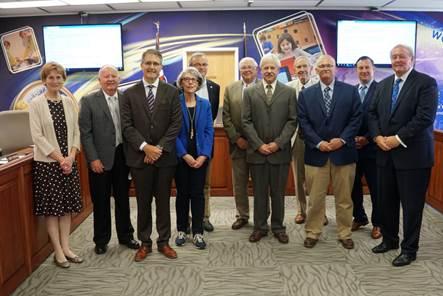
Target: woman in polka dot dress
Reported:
[(55, 132)]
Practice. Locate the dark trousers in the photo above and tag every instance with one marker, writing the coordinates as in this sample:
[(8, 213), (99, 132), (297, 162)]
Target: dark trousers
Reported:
[(113, 182), (190, 184), (269, 179), (153, 181), (365, 167), (408, 188)]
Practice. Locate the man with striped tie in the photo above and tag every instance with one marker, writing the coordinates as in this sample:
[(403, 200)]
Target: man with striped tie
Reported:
[(151, 120)]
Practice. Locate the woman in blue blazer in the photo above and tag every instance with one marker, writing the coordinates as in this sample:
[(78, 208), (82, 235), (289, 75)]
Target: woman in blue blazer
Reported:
[(194, 146)]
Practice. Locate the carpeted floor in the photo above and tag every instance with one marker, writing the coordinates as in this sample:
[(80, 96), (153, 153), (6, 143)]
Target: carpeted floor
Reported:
[(232, 266)]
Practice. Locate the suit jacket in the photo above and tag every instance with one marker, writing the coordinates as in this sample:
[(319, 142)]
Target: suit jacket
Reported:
[(159, 128), (232, 117), (412, 120), (265, 122), (369, 151), (97, 130), (42, 127), (343, 122), (204, 128)]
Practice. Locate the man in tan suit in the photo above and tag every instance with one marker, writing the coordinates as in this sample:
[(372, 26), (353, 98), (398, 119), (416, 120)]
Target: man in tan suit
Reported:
[(303, 68), (238, 143)]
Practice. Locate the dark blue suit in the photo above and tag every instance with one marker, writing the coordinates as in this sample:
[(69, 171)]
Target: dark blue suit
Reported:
[(366, 166), (404, 171)]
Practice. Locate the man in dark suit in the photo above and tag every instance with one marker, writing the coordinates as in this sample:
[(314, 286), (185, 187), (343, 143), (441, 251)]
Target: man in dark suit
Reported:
[(269, 121), (401, 123), (366, 151), (211, 91), (329, 116), (101, 137), (151, 120)]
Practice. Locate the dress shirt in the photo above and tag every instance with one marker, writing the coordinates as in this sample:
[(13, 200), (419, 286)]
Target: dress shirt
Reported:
[(114, 109), (154, 91), (203, 91), (403, 79), (273, 84)]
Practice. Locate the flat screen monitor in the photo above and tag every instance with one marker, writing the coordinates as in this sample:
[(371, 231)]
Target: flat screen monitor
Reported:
[(84, 47), (373, 38)]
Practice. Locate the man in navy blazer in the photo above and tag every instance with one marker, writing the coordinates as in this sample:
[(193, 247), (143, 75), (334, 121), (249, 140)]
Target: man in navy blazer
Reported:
[(329, 115), (366, 151), (401, 123)]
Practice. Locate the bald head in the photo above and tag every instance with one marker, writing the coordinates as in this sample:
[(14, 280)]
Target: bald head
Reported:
[(109, 79), (248, 69), (325, 68)]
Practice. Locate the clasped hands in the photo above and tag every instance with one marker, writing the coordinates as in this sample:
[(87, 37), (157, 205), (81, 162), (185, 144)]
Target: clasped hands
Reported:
[(387, 143), (268, 149), (194, 162), (331, 145), (66, 164), (152, 153)]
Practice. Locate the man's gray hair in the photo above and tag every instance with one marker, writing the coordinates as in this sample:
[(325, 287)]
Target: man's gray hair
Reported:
[(196, 55), (108, 66), (406, 47), (248, 59), (270, 57), (322, 57)]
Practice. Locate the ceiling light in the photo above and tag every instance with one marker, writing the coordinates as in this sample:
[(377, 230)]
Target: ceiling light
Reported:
[(29, 4), (93, 2), (160, 1)]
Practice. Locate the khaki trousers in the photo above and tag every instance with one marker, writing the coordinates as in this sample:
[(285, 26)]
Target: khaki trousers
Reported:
[(317, 181), (240, 179), (298, 169)]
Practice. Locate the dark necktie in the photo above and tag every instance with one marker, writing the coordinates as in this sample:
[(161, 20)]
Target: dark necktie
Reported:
[(362, 92), (395, 91), (328, 99), (302, 87), (269, 92), (150, 98)]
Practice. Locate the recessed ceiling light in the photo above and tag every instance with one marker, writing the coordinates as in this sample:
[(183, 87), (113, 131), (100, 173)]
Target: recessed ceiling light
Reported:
[(93, 2)]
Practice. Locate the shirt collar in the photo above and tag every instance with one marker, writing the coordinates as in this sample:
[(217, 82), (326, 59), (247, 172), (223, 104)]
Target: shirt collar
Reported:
[(404, 76), (155, 84), (108, 96), (273, 84), (368, 85), (331, 86)]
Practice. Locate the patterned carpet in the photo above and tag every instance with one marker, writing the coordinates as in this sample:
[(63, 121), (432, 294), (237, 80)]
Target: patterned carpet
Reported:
[(233, 266)]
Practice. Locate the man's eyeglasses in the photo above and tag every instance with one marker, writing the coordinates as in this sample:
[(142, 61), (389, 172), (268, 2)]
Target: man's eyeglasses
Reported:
[(325, 66)]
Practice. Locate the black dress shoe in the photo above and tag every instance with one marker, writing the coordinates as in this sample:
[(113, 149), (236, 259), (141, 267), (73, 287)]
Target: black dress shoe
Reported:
[(100, 249), (384, 247), (131, 244), (404, 259), (207, 225)]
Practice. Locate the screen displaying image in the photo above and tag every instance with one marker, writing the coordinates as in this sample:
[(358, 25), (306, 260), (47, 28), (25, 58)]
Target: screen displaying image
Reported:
[(84, 47), (356, 38)]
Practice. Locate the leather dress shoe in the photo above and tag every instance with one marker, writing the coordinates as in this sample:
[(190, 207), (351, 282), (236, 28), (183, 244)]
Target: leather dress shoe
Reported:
[(100, 249), (131, 244), (356, 225), (282, 237), (404, 259), (239, 223), (168, 252), (207, 225), (142, 252), (64, 264), (299, 219), (257, 235), (76, 259), (310, 242), (376, 232), (384, 247), (347, 243), (326, 222)]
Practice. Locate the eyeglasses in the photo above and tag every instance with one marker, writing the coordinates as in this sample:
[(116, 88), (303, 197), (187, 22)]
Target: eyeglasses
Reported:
[(189, 79), (325, 66), (199, 65)]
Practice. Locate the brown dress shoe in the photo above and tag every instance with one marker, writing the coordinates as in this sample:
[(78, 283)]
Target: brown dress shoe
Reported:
[(168, 252), (142, 252), (376, 232), (356, 225), (310, 242), (282, 237), (347, 243), (299, 219), (256, 235), (239, 223)]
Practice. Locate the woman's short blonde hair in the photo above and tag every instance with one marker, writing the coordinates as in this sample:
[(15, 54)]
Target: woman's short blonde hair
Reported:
[(193, 72), (51, 66)]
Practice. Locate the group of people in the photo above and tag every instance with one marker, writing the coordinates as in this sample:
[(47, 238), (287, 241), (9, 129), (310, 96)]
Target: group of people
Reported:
[(157, 132)]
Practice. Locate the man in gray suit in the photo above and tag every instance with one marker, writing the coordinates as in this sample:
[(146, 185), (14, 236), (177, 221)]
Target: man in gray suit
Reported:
[(238, 142), (151, 120), (269, 120), (101, 137)]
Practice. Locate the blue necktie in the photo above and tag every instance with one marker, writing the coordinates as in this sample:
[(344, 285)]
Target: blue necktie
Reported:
[(150, 98), (328, 99), (395, 91), (362, 92)]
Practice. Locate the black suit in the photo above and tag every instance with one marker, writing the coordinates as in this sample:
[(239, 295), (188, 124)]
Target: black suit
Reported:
[(159, 128), (214, 97), (404, 172), (98, 137), (366, 166)]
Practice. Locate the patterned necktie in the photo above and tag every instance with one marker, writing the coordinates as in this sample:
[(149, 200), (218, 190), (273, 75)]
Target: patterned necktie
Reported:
[(362, 92), (395, 91), (269, 92), (150, 98), (328, 99), (115, 114)]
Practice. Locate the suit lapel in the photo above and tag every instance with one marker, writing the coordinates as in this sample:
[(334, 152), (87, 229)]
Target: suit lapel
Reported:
[(320, 99), (277, 91), (404, 90), (261, 91), (101, 99), (335, 94), (142, 94)]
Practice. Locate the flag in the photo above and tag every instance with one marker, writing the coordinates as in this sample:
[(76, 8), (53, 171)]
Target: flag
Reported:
[(157, 47)]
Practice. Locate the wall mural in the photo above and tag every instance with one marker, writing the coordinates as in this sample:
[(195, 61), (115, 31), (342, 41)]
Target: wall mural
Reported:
[(254, 33)]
